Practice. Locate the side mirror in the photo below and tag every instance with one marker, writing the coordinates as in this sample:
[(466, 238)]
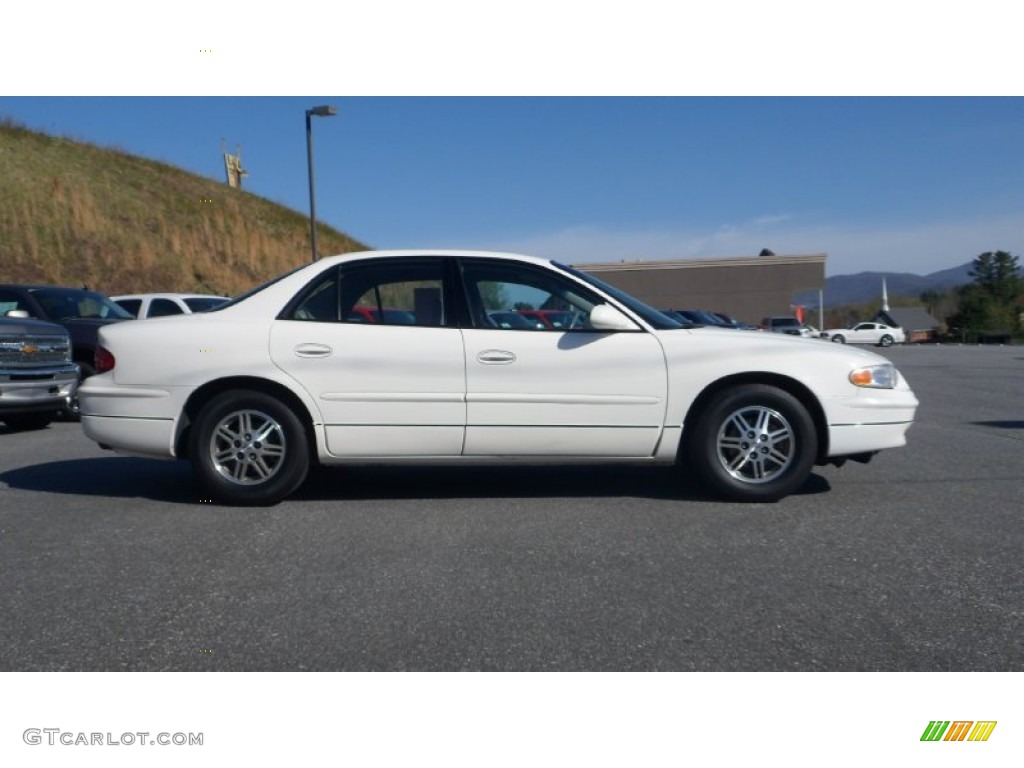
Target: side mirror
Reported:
[(605, 317), (19, 313)]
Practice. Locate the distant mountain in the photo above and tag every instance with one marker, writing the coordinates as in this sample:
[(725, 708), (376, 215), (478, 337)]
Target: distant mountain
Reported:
[(867, 286)]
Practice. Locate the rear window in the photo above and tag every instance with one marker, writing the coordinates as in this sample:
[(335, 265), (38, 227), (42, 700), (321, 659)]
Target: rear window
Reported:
[(204, 304)]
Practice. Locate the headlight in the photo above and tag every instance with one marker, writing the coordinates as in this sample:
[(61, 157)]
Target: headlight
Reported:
[(883, 376)]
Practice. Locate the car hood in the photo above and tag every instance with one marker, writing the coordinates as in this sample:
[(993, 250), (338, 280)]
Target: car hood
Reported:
[(24, 327), (89, 322), (778, 351)]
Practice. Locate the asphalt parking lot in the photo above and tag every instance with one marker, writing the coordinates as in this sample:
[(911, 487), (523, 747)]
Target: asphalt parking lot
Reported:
[(912, 562)]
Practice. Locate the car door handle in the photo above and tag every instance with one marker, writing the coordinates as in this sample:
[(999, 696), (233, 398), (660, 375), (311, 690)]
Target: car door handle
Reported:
[(313, 350), (495, 357)]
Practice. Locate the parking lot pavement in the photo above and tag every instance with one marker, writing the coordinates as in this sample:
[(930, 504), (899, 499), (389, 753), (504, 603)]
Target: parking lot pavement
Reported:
[(909, 563)]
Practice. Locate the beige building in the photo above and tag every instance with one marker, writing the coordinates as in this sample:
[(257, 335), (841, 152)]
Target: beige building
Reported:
[(746, 288)]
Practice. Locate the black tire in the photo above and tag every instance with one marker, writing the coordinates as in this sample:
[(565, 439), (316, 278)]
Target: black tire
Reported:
[(839, 338), (27, 421), (753, 443), (269, 457), (885, 341)]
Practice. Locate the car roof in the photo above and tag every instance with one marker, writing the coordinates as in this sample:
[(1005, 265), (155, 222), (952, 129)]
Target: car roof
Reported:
[(168, 296), (388, 254), (272, 294)]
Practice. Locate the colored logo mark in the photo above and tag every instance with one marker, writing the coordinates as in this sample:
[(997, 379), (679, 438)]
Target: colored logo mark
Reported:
[(958, 730)]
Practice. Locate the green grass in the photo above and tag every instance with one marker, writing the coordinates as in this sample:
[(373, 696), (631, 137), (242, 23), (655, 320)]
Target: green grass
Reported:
[(73, 213)]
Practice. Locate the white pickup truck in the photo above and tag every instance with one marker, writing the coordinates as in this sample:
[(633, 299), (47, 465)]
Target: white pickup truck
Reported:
[(879, 334)]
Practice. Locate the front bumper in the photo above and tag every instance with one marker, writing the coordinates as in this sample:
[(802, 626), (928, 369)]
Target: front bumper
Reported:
[(27, 391), (874, 420)]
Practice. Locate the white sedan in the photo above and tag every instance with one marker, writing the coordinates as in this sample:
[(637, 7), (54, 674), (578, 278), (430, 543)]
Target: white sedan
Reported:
[(308, 369), (879, 334)]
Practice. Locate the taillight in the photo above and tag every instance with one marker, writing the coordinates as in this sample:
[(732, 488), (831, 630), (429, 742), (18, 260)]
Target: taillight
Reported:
[(103, 361)]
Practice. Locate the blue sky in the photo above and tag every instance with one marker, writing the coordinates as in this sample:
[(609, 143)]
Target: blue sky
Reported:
[(901, 184), (905, 184)]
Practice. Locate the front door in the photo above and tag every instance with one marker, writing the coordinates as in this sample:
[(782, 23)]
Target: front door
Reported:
[(552, 385)]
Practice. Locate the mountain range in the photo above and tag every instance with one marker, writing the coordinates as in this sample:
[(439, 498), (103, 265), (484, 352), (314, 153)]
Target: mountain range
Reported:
[(865, 287)]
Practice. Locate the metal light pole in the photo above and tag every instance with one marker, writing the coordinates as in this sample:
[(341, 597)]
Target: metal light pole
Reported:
[(325, 110)]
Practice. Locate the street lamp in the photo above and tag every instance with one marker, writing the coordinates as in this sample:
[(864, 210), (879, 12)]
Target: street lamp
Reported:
[(325, 110)]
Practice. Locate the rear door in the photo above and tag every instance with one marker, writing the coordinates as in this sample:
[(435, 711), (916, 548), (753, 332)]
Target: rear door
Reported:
[(374, 343)]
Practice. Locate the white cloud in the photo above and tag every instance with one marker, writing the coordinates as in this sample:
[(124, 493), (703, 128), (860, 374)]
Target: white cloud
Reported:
[(921, 249)]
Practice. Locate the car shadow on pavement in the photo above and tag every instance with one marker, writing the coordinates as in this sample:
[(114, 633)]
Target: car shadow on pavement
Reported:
[(114, 476), (173, 482), (1000, 424), (489, 482)]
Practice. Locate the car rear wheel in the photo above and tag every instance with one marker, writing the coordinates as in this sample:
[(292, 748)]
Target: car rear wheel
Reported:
[(27, 421), (249, 448), (754, 443), (885, 341), (839, 339)]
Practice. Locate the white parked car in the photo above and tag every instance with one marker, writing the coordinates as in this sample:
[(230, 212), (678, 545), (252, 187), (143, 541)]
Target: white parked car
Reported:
[(879, 334), (143, 305), (307, 368)]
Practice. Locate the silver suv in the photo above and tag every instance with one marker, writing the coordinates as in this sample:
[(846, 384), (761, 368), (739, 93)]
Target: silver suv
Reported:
[(37, 377)]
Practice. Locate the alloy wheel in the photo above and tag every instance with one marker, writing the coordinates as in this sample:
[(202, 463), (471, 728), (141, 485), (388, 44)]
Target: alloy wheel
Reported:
[(247, 447), (756, 444)]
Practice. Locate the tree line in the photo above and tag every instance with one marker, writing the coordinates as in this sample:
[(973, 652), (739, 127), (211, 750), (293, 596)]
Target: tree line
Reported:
[(991, 307)]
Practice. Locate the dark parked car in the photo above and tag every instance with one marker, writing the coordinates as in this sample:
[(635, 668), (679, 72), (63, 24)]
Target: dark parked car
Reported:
[(80, 311), (37, 377), (693, 317), (785, 324), (731, 322)]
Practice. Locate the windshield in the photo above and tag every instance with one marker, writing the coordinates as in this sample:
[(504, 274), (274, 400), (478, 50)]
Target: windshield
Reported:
[(73, 304), (651, 316)]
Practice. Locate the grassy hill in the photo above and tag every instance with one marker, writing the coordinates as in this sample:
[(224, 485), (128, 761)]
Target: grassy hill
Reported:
[(76, 214)]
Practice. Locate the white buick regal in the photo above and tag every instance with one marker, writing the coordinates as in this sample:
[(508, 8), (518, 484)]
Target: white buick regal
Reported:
[(398, 357)]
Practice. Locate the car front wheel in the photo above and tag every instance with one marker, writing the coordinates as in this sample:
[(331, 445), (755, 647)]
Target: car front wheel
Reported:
[(248, 448), (754, 443), (839, 339)]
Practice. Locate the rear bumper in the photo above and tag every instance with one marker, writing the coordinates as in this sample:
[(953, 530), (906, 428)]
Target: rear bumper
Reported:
[(134, 436), (139, 421)]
